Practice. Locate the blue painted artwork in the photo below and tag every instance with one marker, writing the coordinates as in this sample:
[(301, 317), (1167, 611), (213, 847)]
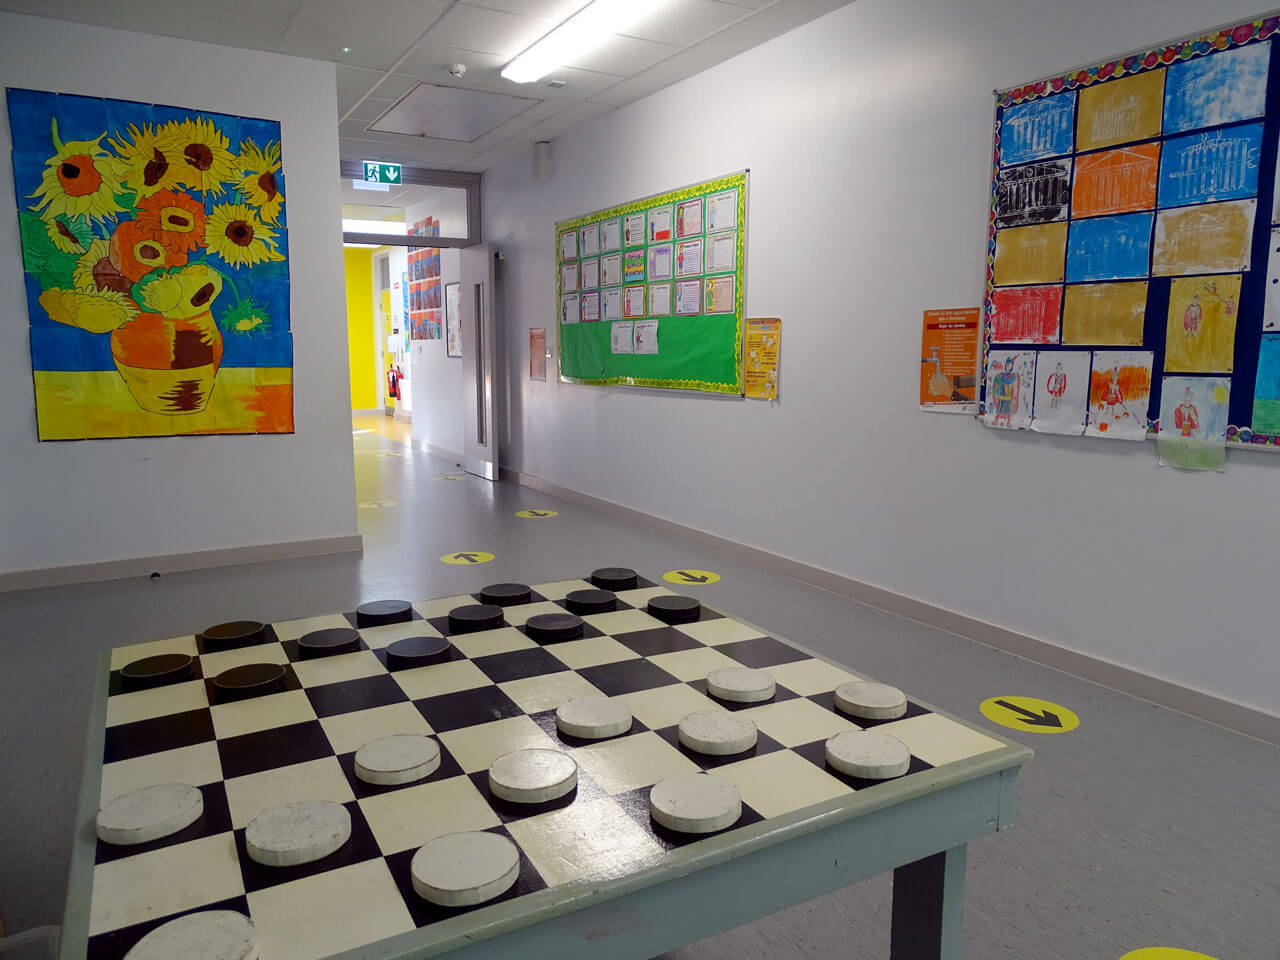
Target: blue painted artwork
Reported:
[(1203, 167), (1266, 390), (1219, 88), (1038, 129), (1109, 248)]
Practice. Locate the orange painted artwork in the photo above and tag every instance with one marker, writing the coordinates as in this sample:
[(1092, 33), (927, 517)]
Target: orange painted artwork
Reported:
[(1119, 394), (1116, 181), (155, 251)]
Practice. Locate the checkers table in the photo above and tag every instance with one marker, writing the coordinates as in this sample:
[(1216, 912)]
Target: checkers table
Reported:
[(598, 876)]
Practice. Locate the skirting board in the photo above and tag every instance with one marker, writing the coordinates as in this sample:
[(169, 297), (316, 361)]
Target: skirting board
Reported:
[(1240, 717), (175, 562)]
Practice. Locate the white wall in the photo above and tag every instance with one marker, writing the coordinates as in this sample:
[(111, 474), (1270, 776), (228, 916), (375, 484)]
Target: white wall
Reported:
[(868, 136), (436, 381), (71, 503)]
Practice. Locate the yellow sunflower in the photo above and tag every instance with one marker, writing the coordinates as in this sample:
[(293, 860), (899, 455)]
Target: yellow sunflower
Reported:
[(234, 232), (69, 234), (79, 180), (201, 154), (260, 184), (83, 273), (151, 162), (98, 311)]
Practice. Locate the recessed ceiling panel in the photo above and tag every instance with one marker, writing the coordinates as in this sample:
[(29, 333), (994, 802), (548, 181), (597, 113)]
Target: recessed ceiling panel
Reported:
[(447, 113)]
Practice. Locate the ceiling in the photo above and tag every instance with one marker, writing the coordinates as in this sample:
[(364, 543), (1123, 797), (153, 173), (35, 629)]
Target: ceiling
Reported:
[(397, 45)]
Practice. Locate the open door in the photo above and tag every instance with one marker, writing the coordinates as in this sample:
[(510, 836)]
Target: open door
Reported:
[(475, 301)]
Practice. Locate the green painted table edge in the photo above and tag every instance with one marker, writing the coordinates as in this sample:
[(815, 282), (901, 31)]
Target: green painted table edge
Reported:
[(531, 910)]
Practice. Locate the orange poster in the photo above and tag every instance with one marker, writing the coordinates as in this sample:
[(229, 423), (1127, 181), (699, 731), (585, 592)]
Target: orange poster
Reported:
[(949, 360), (1116, 181)]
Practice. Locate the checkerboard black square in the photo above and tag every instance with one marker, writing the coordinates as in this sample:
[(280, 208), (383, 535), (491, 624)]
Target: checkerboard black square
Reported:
[(425, 913), (442, 624), (116, 943), (216, 696), (215, 819), (466, 708), (626, 676), (452, 653), (587, 789), (546, 719), (274, 747), (449, 768), (636, 805), (125, 741), (588, 632), (360, 847), (708, 762), (348, 696), (518, 664), (827, 700), (650, 643), (780, 693), (351, 618), (816, 753), (762, 652)]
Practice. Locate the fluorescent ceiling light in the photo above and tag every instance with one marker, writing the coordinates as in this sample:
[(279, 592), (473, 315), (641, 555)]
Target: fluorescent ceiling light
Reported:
[(372, 226), (363, 246), (366, 185), (582, 32)]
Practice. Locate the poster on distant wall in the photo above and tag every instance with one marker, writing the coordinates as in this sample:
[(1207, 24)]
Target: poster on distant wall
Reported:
[(949, 360), (155, 257), (1133, 206)]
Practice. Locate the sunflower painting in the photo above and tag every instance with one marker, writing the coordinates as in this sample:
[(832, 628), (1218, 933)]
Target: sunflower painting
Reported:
[(155, 249)]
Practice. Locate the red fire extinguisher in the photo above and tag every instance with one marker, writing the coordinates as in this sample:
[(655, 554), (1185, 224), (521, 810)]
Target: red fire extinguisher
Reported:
[(393, 382)]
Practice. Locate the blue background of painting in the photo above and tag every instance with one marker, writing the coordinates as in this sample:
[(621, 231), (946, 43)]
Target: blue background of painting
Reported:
[(56, 346), (1222, 71), (1096, 239), (1173, 150), (1061, 108)]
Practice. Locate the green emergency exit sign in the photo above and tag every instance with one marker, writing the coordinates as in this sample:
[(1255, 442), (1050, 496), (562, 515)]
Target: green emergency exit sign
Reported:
[(378, 172)]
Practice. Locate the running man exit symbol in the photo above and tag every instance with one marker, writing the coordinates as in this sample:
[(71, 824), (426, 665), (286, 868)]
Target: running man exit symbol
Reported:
[(378, 172)]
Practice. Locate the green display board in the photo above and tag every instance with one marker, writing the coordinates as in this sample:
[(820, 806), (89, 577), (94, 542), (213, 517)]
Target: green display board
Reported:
[(650, 294)]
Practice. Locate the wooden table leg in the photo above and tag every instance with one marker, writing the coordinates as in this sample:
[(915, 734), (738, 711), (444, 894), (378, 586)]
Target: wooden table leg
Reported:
[(928, 907)]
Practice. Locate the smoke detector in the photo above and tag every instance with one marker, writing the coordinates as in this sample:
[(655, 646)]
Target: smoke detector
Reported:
[(457, 70)]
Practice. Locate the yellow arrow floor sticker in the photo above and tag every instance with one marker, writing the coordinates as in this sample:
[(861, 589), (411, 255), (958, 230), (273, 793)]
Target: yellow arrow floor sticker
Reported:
[(466, 558), (536, 514), (1165, 953), (448, 476), (1029, 714), (691, 577)]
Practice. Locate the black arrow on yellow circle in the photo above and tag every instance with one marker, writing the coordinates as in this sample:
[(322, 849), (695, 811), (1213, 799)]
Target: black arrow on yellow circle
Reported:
[(538, 513), (690, 578), (1032, 719), (469, 557)]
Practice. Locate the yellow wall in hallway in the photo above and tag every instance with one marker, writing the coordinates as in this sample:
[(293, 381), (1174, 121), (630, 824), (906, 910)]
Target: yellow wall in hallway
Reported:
[(362, 356)]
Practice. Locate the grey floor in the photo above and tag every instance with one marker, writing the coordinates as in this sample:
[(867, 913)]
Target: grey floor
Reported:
[(1142, 828)]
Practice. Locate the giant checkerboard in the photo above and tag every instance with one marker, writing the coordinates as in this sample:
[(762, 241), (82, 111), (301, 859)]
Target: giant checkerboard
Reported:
[(497, 693)]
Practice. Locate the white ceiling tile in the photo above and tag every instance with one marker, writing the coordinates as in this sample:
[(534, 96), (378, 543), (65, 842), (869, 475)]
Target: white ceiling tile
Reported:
[(553, 10), (355, 82), (371, 109), (579, 84), (687, 21), (254, 24), (488, 31), (430, 61), (376, 36), (748, 4), (622, 56), (496, 155), (517, 125), (448, 113), (568, 118), (411, 151)]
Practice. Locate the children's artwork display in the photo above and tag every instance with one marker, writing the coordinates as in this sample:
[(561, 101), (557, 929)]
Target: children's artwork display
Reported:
[(1133, 258), (156, 265), (651, 293), (426, 307)]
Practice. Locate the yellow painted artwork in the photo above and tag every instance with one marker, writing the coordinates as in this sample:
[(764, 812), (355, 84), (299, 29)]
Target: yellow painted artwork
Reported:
[(762, 341), (1201, 335), (1104, 314), (1209, 238), (1121, 111), (1034, 254)]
